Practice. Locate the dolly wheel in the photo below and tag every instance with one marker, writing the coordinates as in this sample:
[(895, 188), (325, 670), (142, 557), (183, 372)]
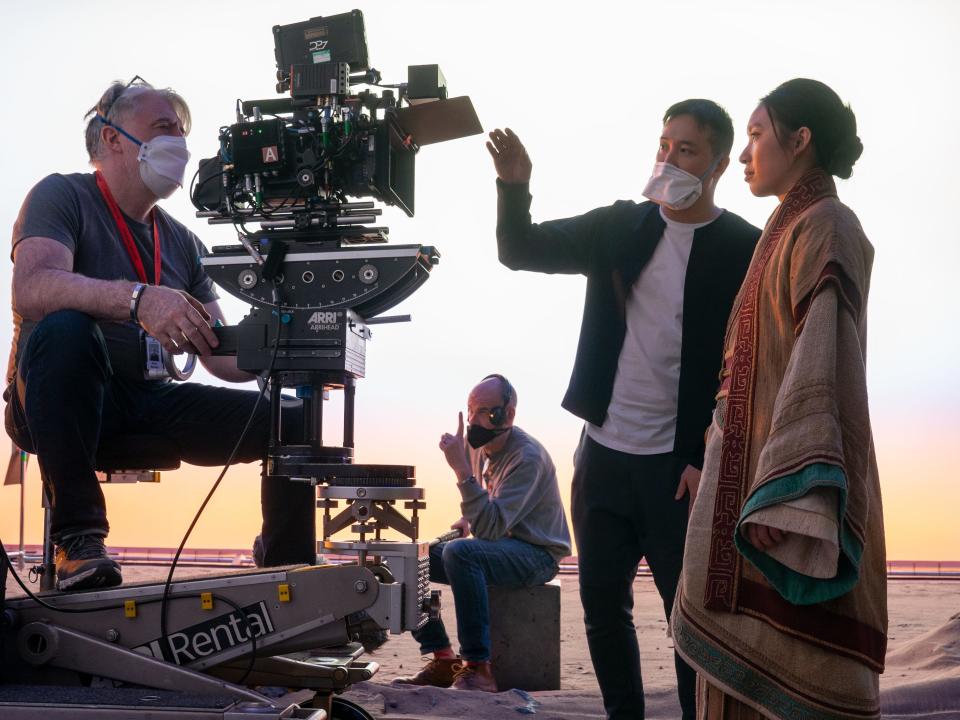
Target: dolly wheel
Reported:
[(346, 710)]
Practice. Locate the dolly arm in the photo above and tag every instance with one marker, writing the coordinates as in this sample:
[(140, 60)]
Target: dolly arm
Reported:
[(41, 643)]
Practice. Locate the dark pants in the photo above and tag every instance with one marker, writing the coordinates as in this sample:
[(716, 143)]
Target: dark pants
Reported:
[(66, 400), (468, 566), (623, 510)]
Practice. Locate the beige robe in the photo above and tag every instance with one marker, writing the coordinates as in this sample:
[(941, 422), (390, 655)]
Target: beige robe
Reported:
[(799, 632)]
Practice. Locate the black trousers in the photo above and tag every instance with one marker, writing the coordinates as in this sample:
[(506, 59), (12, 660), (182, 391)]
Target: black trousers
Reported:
[(623, 510), (66, 399)]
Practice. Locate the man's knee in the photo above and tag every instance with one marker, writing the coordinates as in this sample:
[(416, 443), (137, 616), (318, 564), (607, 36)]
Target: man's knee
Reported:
[(69, 336), (606, 605), (458, 553), (66, 325)]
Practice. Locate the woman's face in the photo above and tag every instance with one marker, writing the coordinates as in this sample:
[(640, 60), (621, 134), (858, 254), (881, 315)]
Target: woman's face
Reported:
[(769, 166)]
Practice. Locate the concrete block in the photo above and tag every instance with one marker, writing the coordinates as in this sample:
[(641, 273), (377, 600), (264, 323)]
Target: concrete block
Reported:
[(525, 636)]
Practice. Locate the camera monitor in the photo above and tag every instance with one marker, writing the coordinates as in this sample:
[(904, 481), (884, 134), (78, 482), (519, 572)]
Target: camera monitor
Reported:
[(337, 39)]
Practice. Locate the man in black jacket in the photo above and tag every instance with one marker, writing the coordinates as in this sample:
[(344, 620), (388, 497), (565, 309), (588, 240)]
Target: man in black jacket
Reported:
[(661, 279)]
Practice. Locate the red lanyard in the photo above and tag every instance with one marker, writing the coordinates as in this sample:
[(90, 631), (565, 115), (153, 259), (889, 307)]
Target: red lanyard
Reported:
[(127, 236)]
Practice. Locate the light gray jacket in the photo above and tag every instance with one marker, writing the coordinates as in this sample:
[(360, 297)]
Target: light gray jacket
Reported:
[(519, 498)]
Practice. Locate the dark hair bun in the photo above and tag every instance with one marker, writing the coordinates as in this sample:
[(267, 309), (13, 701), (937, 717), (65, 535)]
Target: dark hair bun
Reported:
[(833, 126), (847, 148)]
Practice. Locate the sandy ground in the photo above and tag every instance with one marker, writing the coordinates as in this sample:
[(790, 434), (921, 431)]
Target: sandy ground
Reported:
[(922, 678)]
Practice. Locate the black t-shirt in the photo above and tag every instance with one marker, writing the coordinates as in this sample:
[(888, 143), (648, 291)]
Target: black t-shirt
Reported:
[(71, 210)]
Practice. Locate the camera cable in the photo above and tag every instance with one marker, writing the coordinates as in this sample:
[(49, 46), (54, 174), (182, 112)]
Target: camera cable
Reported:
[(236, 448)]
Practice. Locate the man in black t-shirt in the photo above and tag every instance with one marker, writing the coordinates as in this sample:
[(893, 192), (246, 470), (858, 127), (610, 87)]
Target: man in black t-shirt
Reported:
[(95, 260)]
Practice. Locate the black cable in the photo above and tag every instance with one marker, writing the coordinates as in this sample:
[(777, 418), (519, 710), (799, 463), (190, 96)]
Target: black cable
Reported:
[(195, 189), (253, 637), (30, 594), (283, 203), (216, 484), (167, 584), (119, 606), (178, 596)]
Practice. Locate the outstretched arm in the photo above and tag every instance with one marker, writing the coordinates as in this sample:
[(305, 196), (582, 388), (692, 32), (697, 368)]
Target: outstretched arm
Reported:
[(510, 157), (556, 246)]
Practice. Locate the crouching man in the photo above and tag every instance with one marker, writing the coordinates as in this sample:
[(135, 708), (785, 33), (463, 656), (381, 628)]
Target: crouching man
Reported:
[(511, 503)]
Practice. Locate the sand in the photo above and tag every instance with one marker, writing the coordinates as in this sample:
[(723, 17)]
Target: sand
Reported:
[(922, 678)]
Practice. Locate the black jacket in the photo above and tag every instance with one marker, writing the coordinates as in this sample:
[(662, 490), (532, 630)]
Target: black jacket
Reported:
[(611, 245)]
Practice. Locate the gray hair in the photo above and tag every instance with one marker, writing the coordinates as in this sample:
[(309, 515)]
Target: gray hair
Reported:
[(115, 106)]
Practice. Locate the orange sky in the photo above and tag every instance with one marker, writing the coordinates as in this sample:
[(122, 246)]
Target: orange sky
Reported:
[(915, 469)]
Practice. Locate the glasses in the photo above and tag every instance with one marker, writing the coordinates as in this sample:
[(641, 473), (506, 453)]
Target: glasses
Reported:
[(105, 111)]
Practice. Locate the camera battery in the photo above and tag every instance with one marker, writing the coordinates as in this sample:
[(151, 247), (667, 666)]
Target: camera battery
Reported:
[(321, 79), (257, 146)]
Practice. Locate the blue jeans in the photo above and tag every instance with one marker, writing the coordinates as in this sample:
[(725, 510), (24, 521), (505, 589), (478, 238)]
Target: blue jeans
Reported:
[(468, 566)]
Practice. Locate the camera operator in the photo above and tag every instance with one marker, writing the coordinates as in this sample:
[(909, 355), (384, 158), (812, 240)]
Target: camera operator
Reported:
[(661, 279), (519, 527), (94, 258)]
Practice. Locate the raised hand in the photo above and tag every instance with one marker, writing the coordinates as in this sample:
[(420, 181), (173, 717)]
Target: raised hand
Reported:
[(177, 319), (510, 158), (455, 451)]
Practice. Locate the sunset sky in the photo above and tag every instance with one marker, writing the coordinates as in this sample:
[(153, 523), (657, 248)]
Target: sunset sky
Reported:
[(585, 87)]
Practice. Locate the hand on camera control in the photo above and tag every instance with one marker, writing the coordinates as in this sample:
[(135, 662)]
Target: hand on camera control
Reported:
[(178, 320), (510, 158), (454, 449)]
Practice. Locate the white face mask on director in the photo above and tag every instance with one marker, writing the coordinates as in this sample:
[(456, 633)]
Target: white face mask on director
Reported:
[(674, 188), (162, 161)]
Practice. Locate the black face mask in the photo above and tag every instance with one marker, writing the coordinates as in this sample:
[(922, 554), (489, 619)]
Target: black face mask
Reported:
[(478, 436)]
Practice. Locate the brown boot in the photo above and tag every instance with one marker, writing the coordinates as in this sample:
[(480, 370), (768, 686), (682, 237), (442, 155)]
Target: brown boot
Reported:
[(439, 672), (475, 676)]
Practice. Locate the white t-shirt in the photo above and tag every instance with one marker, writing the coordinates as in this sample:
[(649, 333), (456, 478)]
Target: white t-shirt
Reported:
[(642, 415)]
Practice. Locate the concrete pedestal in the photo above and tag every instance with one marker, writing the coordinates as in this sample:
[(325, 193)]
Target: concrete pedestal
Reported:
[(525, 636)]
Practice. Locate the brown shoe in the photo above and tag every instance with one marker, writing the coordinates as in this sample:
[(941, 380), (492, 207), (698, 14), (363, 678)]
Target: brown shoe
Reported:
[(439, 672), (478, 676)]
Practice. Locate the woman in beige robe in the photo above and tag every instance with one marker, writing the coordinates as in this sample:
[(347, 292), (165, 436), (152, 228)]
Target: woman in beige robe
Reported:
[(782, 604)]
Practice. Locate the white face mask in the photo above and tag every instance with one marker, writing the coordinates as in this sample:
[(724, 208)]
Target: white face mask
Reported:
[(163, 162), (675, 188)]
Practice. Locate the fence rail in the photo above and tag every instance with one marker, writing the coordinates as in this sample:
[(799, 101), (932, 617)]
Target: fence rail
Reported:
[(234, 558)]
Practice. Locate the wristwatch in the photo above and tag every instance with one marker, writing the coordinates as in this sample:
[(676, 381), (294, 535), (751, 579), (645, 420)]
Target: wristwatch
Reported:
[(135, 301)]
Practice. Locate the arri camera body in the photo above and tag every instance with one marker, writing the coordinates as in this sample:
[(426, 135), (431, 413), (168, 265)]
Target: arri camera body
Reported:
[(289, 166), (324, 141), (317, 271)]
